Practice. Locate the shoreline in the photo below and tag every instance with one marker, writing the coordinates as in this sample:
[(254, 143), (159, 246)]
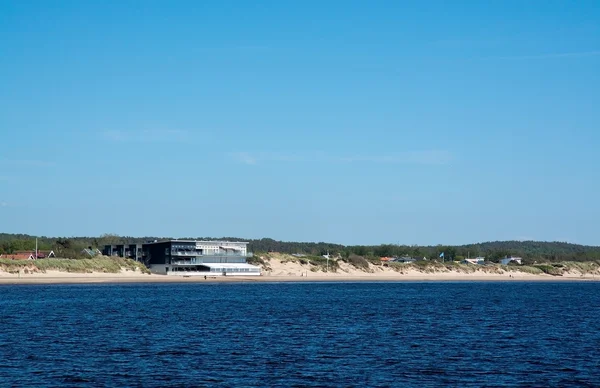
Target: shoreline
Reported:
[(102, 278)]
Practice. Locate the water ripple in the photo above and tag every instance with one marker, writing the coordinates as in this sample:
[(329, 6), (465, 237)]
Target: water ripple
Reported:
[(301, 335)]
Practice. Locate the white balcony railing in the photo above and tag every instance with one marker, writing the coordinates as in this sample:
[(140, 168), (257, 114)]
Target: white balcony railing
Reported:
[(194, 254)]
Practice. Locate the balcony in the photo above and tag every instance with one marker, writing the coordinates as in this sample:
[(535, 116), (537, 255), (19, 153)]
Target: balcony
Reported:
[(198, 254), (185, 253), (208, 259)]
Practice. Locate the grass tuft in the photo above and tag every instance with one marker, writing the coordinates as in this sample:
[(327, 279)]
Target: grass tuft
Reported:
[(98, 264)]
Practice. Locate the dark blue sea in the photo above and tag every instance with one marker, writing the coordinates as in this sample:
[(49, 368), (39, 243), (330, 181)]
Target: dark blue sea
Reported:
[(301, 335)]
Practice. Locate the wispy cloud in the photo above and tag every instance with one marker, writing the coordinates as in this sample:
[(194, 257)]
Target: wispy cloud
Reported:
[(3, 204), (146, 136), (244, 157), (429, 157)]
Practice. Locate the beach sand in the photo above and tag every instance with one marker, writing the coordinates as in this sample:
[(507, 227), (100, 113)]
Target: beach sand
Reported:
[(287, 271)]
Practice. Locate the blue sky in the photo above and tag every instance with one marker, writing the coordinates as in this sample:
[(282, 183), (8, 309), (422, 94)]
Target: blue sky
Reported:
[(357, 122)]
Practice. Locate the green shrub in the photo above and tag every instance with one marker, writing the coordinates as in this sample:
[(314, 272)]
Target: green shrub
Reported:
[(98, 264), (398, 267), (255, 260), (374, 260), (358, 261), (421, 264), (583, 267), (530, 269), (320, 263), (549, 269)]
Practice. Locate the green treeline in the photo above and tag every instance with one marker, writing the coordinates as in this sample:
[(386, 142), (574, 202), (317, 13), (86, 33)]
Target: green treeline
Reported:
[(530, 251)]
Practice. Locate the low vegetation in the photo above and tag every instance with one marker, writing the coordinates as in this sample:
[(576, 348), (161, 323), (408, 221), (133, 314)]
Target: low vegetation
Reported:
[(592, 267), (357, 261), (549, 269), (316, 263), (371, 264), (557, 269), (525, 268), (98, 264), (532, 252), (259, 261), (322, 264), (552, 258)]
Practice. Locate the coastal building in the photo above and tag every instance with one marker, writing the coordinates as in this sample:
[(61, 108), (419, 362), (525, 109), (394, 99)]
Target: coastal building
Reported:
[(92, 252), (191, 257), (131, 251), (508, 259), (477, 261), (18, 256), (28, 255), (404, 259)]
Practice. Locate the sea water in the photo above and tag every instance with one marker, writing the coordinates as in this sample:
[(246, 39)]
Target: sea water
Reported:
[(301, 334)]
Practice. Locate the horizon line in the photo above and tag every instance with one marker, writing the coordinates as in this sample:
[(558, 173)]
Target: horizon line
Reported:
[(297, 242)]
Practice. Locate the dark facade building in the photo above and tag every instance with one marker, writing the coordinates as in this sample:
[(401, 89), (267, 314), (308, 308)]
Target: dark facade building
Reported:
[(131, 251), (190, 257)]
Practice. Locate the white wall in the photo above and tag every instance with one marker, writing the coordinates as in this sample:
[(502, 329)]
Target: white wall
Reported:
[(206, 273), (160, 269)]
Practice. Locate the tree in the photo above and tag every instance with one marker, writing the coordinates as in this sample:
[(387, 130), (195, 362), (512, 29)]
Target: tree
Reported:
[(108, 239), (384, 251), (416, 252), (63, 244)]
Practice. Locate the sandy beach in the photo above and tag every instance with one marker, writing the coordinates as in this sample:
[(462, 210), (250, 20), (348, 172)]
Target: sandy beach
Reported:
[(286, 271), (66, 278)]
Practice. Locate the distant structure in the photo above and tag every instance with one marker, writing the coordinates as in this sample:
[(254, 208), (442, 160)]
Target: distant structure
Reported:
[(18, 256), (28, 255), (402, 259), (131, 251), (405, 259), (508, 259), (92, 252), (477, 261), (190, 257)]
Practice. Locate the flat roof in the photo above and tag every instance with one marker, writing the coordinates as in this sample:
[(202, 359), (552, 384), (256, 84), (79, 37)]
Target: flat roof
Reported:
[(222, 242), (199, 241), (229, 265)]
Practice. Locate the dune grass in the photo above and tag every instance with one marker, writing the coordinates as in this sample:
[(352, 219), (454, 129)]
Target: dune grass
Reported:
[(524, 268), (358, 262), (98, 264), (320, 263), (317, 263), (366, 264), (586, 267)]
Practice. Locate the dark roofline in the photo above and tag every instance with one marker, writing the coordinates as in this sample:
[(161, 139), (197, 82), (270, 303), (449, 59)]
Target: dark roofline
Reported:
[(197, 241)]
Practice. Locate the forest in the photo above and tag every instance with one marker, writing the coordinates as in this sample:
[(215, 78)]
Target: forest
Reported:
[(530, 251)]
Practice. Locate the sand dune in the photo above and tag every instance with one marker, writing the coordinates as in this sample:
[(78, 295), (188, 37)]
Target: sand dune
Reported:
[(285, 268)]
